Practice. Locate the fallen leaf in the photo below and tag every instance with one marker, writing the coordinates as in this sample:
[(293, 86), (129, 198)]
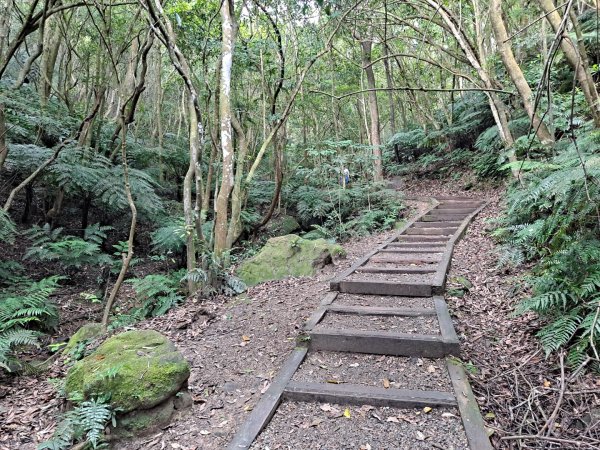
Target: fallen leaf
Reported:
[(386, 383), (420, 436), (347, 413), (431, 368), (392, 419), (490, 415), (316, 422), (333, 381), (365, 447), (427, 409), (326, 407), (245, 338), (547, 384), (447, 414)]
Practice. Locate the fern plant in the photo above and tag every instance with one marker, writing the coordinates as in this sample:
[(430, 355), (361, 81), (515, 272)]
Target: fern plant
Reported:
[(24, 311), (68, 251), (158, 293), (554, 221), (85, 423)]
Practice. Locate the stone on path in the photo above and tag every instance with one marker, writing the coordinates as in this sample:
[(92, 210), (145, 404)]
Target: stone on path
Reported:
[(286, 256)]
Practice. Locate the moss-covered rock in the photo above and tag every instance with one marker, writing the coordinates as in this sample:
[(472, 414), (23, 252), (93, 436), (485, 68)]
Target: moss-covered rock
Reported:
[(288, 255), (282, 225), (139, 369), (144, 420), (86, 333)]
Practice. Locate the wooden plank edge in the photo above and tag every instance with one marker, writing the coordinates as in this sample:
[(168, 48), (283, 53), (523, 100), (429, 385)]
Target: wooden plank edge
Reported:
[(449, 335), (334, 284), (318, 314), (386, 288), (355, 394), (473, 423), (268, 403)]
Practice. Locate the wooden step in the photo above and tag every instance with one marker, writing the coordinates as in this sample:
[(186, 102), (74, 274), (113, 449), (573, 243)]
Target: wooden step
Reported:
[(381, 311), (397, 270), (431, 231), (380, 343), (412, 250), (446, 224), (465, 211), (432, 217), (406, 260), (417, 245), (421, 238), (355, 394), (369, 286)]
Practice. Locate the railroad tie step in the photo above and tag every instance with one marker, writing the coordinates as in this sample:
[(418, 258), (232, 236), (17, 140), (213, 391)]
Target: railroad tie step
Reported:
[(436, 217), (439, 245), (406, 250), (368, 286), (344, 328), (465, 211), (446, 231), (422, 238), (398, 269), (356, 394), (448, 223)]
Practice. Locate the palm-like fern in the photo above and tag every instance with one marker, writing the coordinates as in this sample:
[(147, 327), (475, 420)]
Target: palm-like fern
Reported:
[(85, 423), (24, 311)]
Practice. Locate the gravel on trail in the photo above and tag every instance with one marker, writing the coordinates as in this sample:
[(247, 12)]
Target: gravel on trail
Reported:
[(390, 301), (393, 324), (325, 426), (375, 370), (391, 277)]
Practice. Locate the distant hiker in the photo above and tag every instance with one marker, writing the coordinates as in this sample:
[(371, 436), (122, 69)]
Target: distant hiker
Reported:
[(345, 178)]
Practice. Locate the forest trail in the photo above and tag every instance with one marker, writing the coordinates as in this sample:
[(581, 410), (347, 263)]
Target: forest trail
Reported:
[(388, 307)]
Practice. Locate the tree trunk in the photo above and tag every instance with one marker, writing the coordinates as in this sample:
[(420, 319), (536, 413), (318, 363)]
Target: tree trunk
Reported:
[(576, 57), (390, 85), (222, 202), (3, 130), (188, 204), (373, 110), (515, 73)]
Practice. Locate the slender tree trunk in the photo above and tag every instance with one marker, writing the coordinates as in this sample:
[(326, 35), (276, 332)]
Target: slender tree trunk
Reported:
[(3, 130), (188, 204), (129, 255), (390, 85), (515, 73), (576, 57), (237, 195), (222, 202), (373, 110)]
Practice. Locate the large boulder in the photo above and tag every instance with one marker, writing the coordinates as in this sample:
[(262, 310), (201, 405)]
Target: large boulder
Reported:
[(138, 369), (86, 333), (282, 225), (288, 255)]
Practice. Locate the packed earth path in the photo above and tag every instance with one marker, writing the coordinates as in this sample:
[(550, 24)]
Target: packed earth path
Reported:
[(238, 347), (378, 353)]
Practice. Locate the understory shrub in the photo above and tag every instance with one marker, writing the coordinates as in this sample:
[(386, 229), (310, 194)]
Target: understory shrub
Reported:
[(554, 220), (25, 311)]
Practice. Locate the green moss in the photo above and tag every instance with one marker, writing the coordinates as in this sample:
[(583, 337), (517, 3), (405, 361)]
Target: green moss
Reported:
[(87, 332), (135, 422), (288, 255), (138, 369)]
